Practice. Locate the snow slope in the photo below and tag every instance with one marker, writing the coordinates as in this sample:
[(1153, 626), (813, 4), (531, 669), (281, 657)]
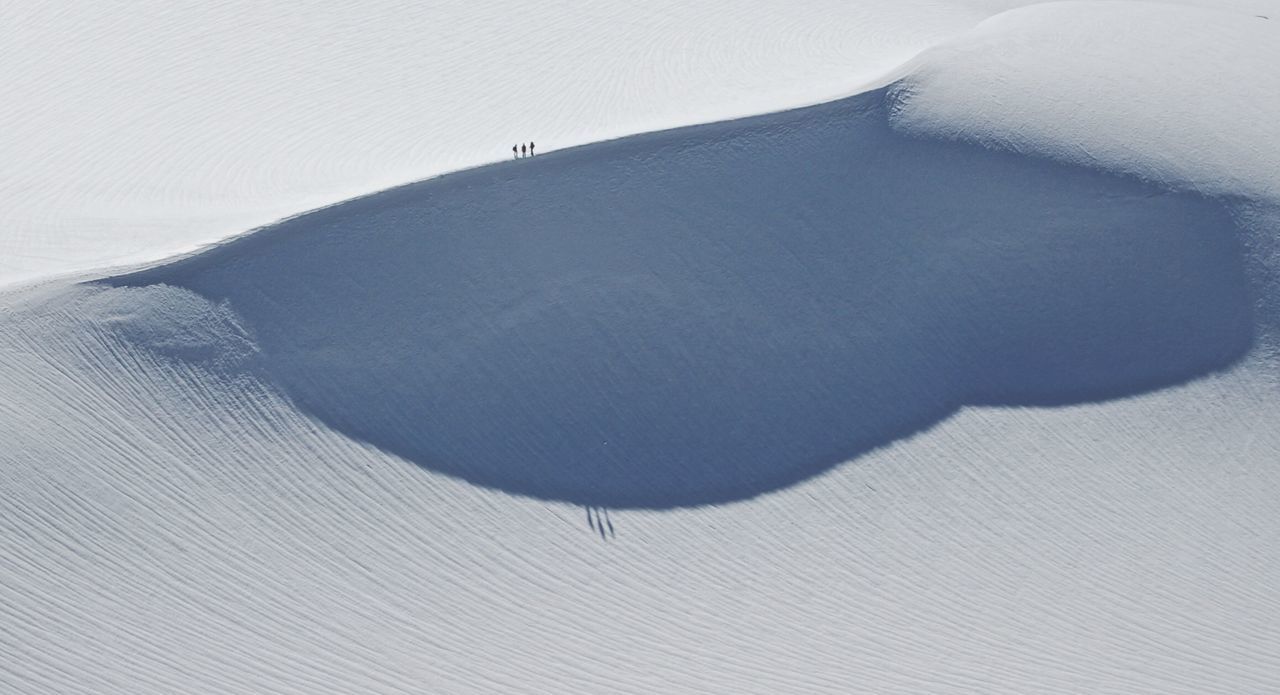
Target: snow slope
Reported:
[(167, 530), (1135, 105), (703, 314), (1122, 87), (251, 469), (135, 130)]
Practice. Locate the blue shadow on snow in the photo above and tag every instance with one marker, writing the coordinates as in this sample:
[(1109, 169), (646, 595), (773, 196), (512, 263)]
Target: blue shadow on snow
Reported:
[(710, 313)]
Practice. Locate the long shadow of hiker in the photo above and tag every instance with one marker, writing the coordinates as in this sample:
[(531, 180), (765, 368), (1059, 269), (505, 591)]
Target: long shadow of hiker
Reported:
[(599, 521)]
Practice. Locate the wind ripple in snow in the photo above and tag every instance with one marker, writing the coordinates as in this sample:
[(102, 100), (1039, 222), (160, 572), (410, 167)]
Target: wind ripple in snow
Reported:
[(164, 529)]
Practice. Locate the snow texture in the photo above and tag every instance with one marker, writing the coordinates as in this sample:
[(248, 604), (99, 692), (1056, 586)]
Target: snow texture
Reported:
[(1098, 84), (968, 384), (135, 130), (705, 314)]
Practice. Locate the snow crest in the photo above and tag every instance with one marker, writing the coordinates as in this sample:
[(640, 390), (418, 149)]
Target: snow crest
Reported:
[(707, 314), (1182, 96)]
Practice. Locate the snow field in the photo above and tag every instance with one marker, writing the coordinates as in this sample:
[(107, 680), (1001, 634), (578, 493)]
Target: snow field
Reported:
[(714, 312), (136, 130), (165, 530), (188, 507), (1182, 96)]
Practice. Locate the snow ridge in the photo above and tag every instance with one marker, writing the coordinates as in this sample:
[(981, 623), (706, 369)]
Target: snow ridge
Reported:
[(706, 314), (1118, 86)]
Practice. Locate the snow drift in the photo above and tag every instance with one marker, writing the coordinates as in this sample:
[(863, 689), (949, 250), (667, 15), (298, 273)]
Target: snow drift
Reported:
[(139, 130), (706, 314), (1098, 84), (226, 474), (134, 131)]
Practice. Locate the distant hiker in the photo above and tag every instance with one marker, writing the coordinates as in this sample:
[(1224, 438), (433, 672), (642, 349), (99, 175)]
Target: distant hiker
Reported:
[(521, 149), (531, 149), (515, 151)]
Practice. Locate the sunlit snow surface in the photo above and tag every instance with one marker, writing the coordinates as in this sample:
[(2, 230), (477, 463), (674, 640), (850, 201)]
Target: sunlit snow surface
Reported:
[(134, 130), (991, 417)]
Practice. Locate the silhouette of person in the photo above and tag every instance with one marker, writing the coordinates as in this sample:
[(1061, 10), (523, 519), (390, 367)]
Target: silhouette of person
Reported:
[(515, 151), (530, 149), (522, 149)]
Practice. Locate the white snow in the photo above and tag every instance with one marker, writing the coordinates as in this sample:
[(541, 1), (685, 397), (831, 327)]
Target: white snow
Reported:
[(135, 130), (369, 449), (1180, 95), (166, 531)]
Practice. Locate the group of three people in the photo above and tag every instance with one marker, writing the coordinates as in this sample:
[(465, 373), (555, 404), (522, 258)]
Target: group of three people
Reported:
[(519, 151)]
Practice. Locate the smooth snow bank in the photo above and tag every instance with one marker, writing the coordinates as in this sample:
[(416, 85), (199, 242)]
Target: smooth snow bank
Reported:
[(1184, 96), (710, 313), (130, 131), (135, 130)]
